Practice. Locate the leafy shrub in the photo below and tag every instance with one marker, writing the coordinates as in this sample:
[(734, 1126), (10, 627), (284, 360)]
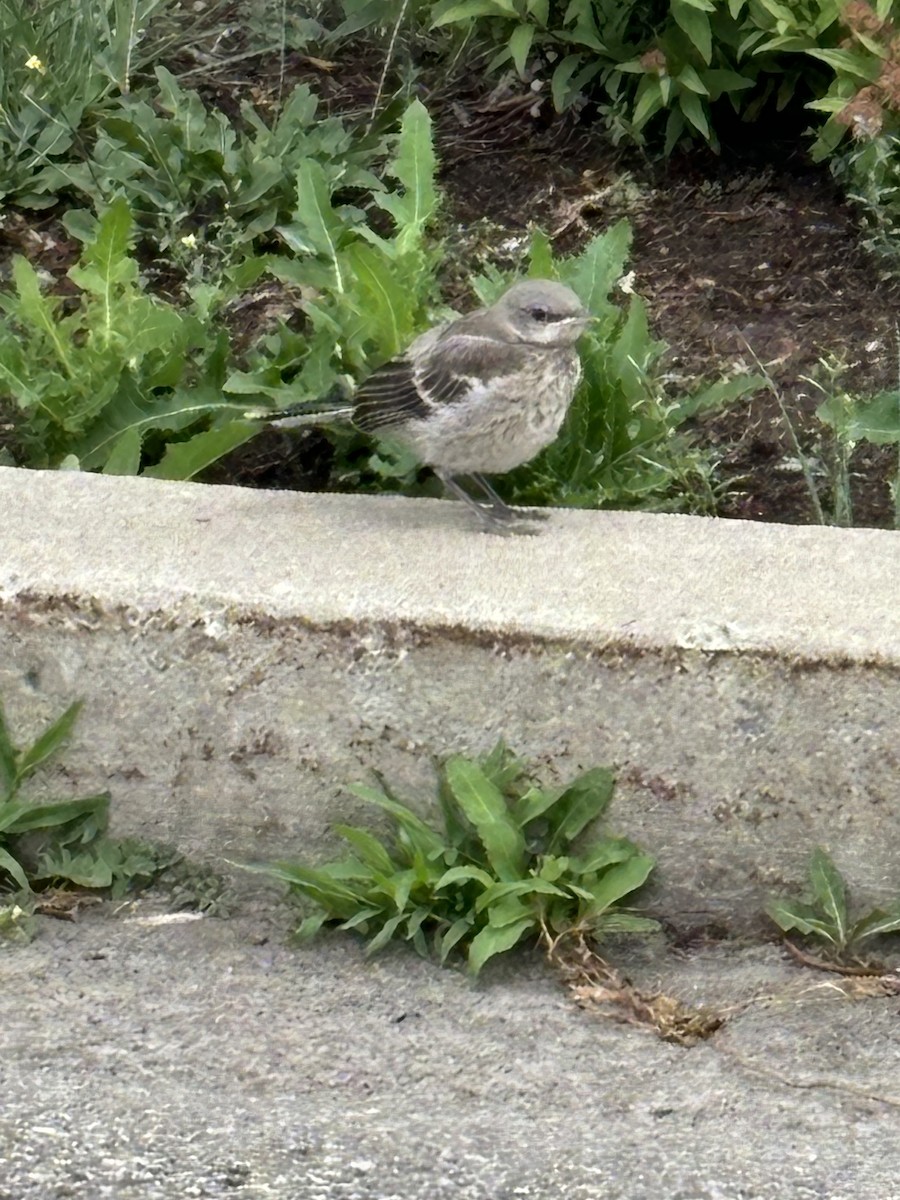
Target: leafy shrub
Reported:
[(503, 867), (678, 57), (93, 388), (825, 916)]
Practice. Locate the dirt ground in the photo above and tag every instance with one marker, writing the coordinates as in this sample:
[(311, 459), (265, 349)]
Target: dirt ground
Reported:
[(146, 1058)]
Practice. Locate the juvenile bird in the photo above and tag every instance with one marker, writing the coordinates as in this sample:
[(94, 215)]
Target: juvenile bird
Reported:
[(481, 394)]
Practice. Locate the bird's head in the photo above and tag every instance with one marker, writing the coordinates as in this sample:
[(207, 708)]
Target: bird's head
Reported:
[(542, 312)]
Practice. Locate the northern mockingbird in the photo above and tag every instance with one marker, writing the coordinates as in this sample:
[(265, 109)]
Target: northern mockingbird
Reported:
[(478, 395)]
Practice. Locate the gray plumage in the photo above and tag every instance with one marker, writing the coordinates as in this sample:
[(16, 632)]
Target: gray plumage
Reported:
[(481, 394)]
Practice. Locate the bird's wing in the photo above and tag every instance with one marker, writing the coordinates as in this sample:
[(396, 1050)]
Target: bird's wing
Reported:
[(442, 372)]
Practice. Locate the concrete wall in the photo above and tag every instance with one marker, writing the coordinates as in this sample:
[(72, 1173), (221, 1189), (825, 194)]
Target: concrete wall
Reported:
[(242, 655)]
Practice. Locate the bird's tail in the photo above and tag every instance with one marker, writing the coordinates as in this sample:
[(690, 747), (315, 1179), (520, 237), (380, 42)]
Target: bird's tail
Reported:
[(334, 406), (287, 418)]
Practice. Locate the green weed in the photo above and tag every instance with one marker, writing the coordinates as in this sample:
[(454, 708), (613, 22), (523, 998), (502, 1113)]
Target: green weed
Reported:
[(61, 63), (60, 841), (204, 188), (825, 916), (99, 384), (506, 865)]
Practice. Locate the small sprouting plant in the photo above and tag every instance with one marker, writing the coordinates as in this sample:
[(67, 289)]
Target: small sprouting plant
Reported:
[(508, 863), (825, 916), (43, 843)]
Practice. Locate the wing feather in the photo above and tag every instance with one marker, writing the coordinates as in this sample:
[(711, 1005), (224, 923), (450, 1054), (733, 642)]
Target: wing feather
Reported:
[(413, 385)]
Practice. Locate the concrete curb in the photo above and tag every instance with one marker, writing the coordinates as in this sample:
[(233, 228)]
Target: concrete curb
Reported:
[(244, 654)]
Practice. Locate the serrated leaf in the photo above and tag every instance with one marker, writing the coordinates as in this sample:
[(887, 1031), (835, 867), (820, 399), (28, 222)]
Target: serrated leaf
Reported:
[(485, 806), (318, 219), (491, 941), (596, 270), (184, 460), (415, 166)]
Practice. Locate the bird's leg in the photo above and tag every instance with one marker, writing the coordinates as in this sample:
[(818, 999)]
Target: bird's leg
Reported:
[(490, 519), (499, 507)]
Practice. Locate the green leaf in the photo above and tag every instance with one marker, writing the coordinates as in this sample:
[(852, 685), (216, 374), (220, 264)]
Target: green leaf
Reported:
[(368, 847), (618, 881), (486, 808), (9, 775), (582, 802), (464, 875), (599, 266), (532, 886), (13, 868), (603, 853), (468, 10), (491, 941), (385, 933), (309, 927), (319, 221), (422, 837), (689, 16), (520, 46), (875, 420), (789, 915), (415, 166), (125, 455), (693, 108), (454, 935), (876, 922), (830, 892), (61, 812), (184, 460), (387, 303), (49, 741), (533, 804)]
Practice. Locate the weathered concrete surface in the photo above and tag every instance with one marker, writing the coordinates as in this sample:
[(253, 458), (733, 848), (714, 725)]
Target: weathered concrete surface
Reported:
[(242, 655), (148, 1062)]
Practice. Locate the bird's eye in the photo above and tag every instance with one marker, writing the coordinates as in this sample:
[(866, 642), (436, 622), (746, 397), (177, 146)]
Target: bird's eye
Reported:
[(539, 312)]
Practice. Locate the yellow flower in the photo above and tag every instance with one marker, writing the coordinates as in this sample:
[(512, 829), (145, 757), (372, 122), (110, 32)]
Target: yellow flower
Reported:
[(35, 64), (189, 240)]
